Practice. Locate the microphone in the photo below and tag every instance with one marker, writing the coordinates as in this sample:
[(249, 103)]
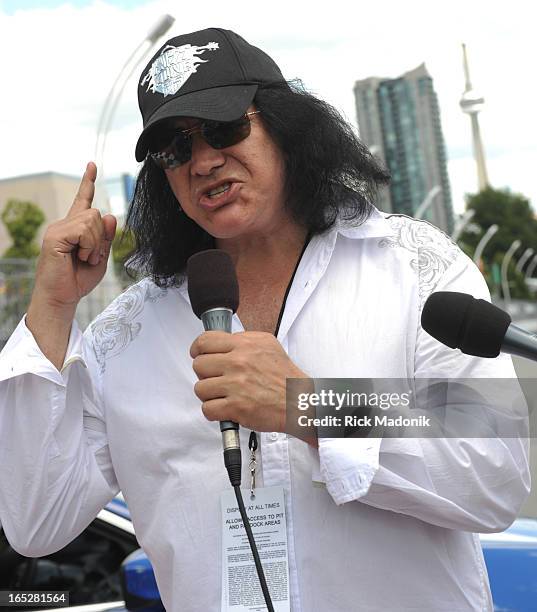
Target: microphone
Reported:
[(214, 296), (475, 326)]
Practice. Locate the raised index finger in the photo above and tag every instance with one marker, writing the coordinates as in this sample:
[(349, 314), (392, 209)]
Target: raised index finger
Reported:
[(86, 191)]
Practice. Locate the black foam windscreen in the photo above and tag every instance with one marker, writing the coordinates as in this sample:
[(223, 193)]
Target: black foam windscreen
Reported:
[(212, 281), (476, 327)]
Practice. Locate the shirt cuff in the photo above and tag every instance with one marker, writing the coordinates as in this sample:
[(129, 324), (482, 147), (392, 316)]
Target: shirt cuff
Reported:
[(22, 355), (348, 466)]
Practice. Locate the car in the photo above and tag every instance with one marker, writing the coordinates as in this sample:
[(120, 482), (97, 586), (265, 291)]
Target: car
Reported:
[(89, 568), (105, 569), (511, 558)]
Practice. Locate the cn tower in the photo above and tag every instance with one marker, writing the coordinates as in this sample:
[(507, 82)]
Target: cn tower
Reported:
[(471, 103)]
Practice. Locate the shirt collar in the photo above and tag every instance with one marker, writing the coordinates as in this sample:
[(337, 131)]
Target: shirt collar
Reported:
[(376, 226)]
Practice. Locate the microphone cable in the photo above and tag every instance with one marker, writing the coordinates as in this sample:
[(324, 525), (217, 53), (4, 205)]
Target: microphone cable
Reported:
[(233, 463), (253, 548)]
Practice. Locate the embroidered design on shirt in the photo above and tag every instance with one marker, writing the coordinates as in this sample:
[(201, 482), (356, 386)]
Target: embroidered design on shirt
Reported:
[(117, 327), (172, 68), (435, 251)]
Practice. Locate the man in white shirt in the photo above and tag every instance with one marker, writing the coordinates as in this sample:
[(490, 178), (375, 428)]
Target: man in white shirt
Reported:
[(329, 287)]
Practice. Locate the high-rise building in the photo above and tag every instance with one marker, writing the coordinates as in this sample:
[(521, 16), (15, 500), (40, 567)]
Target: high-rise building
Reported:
[(399, 120)]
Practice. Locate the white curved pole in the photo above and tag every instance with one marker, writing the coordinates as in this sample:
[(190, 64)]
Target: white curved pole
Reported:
[(531, 268), (429, 198), (525, 256), (505, 264), (110, 104), (483, 242), (119, 86), (468, 215), (112, 95)]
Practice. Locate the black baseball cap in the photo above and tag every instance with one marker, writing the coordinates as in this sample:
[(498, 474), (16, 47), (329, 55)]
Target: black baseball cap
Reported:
[(211, 74)]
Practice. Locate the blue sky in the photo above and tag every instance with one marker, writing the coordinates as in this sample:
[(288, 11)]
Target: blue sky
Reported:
[(8, 7)]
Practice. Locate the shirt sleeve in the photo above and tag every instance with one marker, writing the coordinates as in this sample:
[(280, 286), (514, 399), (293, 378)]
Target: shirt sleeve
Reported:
[(56, 472), (471, 484)]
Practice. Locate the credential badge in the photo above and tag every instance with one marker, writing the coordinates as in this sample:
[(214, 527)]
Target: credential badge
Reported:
[(170, 71)]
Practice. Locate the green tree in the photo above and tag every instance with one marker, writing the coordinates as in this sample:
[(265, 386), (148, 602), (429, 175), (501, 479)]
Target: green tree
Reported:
[(516, 220), (22, 220)]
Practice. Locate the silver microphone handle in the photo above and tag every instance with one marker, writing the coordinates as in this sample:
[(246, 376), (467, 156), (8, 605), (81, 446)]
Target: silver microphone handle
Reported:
[(219, 319)]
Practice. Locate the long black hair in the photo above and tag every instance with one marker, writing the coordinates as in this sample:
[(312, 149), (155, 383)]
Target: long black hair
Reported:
[(329, 173)]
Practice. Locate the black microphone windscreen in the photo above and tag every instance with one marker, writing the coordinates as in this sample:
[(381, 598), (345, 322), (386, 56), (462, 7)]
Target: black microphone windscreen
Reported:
[(212, 281), (476, 327)]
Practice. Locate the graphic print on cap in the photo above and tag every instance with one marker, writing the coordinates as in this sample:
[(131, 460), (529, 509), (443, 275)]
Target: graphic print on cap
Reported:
[(172, 68)]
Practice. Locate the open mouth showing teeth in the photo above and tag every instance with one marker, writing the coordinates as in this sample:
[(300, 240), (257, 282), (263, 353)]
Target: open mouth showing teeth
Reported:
[(218, 190)]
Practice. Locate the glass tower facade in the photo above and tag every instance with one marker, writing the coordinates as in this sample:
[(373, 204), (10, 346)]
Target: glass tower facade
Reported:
[(399, 120)]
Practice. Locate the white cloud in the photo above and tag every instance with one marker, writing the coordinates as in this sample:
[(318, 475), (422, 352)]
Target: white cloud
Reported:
[(59, 65)]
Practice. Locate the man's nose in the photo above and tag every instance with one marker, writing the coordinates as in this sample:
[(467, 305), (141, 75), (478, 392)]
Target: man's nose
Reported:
[(205, 159)]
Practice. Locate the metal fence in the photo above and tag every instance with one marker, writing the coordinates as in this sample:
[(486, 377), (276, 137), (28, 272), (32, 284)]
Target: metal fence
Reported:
[(17, 281), (16, 285)]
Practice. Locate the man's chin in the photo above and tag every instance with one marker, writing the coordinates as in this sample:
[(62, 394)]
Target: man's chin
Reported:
[(228, 232), (225, 224)]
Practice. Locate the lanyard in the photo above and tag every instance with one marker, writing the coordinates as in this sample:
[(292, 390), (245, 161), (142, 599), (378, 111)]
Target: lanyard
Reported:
[(253, 442)]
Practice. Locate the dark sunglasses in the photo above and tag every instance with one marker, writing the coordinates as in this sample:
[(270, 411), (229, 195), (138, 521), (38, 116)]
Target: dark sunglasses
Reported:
[(171, 150)]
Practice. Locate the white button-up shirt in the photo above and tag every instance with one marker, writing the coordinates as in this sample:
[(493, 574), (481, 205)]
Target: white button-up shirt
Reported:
[(391, 527)]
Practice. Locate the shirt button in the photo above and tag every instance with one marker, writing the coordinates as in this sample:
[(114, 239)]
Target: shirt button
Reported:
[(274, 435)]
